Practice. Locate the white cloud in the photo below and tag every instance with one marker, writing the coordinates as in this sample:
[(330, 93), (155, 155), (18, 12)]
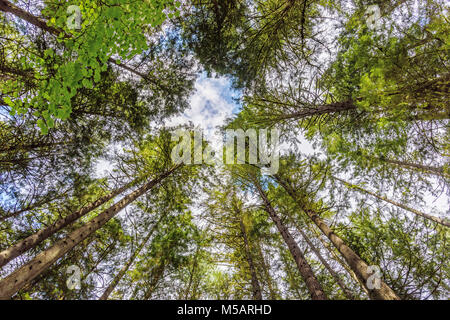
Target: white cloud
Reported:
[(211, 104)]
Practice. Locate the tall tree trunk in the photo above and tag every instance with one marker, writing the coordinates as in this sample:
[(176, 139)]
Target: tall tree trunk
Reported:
[(320, 110), (12, 283), (130, 261), (29, 286), (344, 265), (273, 294), (256, 288), (337, 107), (36, 238), (417, 212), (313, 285), (410, 165), (157, 274), (30, 147), (347, 292), (358, 265), (290, 276), (7, 6), (191, 276)]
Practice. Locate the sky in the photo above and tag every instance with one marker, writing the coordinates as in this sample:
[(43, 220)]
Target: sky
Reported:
[(211, 104)]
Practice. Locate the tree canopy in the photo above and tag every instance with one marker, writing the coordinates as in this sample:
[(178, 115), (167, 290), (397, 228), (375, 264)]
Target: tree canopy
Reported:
[(357, 207)]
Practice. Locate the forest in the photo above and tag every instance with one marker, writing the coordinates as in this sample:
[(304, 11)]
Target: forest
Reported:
[(95, 203)]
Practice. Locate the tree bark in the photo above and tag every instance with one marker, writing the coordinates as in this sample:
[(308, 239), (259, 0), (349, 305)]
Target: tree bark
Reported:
[(433, 170), (191, 277), (273, 294), (416, 212), (358, 265), (333, 273), (340, 261), (130, 261), (157, 274), (19, 278), (320, 110), (313, 285), (256, 288), (7, 6), (36, 238)]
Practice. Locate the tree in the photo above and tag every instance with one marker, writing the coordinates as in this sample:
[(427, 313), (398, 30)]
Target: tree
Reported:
[(93, 45), (355, 106), (304, 268), (33, 240), (355, 262), (125, 268)]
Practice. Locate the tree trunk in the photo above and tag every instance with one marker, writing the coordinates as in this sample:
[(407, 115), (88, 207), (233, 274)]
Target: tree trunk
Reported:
[(304, 268), (417, 212), (358, 265), (157, 274), (320, 110), (125, 268), (30, 147), (408, 165), (12, 283), (340, 261), (273, 294), (335, 276), (36, 238), (191, 277), (256, 288), (7, 6)]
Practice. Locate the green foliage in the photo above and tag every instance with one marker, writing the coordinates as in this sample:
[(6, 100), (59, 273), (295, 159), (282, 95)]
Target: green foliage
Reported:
[(109, 29), (373, 104)]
